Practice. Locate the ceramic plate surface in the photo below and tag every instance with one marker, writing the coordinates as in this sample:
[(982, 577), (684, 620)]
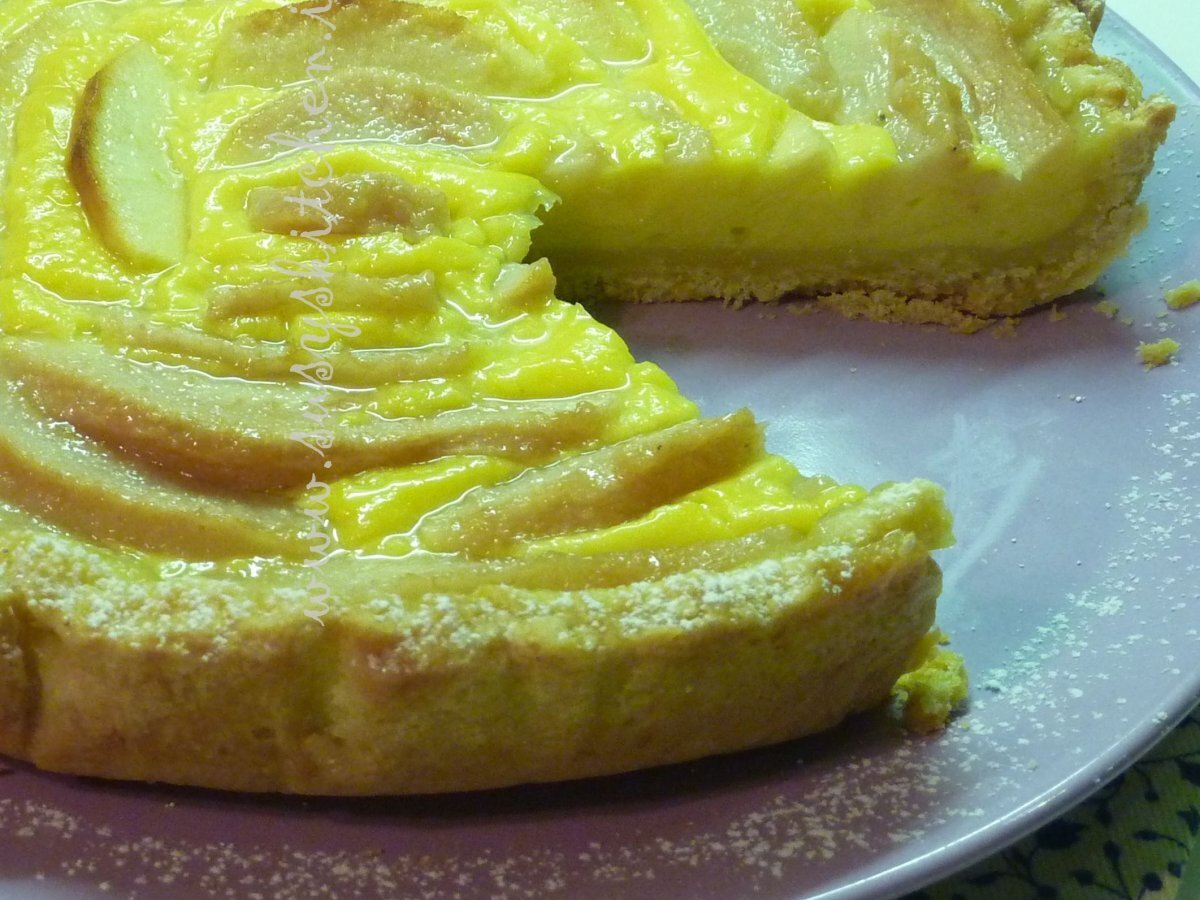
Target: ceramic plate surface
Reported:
[(1074, 593)]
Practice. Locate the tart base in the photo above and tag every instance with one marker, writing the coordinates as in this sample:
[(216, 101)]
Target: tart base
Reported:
[(226, 683)]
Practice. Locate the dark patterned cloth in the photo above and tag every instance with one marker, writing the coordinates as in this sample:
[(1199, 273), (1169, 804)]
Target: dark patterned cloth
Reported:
[(1132, 840)]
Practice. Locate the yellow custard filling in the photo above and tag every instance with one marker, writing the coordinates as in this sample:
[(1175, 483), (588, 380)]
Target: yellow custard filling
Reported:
[(277, 345), (452, 301), (660, 126)]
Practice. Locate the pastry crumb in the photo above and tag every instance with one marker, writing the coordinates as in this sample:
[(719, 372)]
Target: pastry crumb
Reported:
[(928, 695), (1107, 308), (1056, 314), (1158, 353), (1185, 295), (801, 308), (1006, 327)]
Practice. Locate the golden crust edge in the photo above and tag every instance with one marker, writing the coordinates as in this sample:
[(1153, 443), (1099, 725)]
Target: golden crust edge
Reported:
[(388, 699)]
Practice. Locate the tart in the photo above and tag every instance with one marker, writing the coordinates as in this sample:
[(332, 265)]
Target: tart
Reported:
[(310, 483)]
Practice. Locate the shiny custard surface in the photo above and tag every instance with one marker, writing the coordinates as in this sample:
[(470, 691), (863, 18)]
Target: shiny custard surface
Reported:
[(235, 283)]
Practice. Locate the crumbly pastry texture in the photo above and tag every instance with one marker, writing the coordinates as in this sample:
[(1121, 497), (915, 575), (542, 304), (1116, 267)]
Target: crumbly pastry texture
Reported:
[(309, 482), (202, 681)]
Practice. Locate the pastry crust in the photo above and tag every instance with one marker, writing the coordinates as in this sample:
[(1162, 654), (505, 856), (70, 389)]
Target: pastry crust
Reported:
[(225, 682)]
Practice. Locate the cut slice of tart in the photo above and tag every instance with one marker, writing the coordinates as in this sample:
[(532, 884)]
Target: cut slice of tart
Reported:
[(342, 499), (941, 160)]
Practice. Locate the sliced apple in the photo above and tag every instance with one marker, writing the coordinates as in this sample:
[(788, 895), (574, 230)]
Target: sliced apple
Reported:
[(773, 43), (595, 489), (423, 574), (402, 296), (982, 76), (275, 47), (120, 162), (367, 203), (271, 362), (363, 104), (889, 79), (69, 481), (255, 436), (525, 285)]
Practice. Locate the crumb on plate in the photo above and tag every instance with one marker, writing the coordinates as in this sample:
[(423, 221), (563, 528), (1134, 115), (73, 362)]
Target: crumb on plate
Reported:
[(1158, 353), (1183, 296), (927, 695)]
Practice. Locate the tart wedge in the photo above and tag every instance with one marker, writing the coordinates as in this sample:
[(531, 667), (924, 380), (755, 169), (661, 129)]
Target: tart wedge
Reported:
[(932, 160)]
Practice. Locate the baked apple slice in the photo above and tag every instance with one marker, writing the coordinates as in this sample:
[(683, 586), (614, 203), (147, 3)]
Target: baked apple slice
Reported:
[(79, 485), (120, 162), (261, 436), (282, 46), (366, 203), (593, 490), (271, 361), (365, 104), (408, 295)]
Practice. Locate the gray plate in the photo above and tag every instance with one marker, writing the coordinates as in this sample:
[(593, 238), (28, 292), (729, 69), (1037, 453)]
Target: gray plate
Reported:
[(1074, 593)]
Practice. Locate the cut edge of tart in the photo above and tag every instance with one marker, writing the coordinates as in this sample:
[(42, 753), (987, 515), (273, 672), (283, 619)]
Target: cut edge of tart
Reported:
[(943, 161)]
